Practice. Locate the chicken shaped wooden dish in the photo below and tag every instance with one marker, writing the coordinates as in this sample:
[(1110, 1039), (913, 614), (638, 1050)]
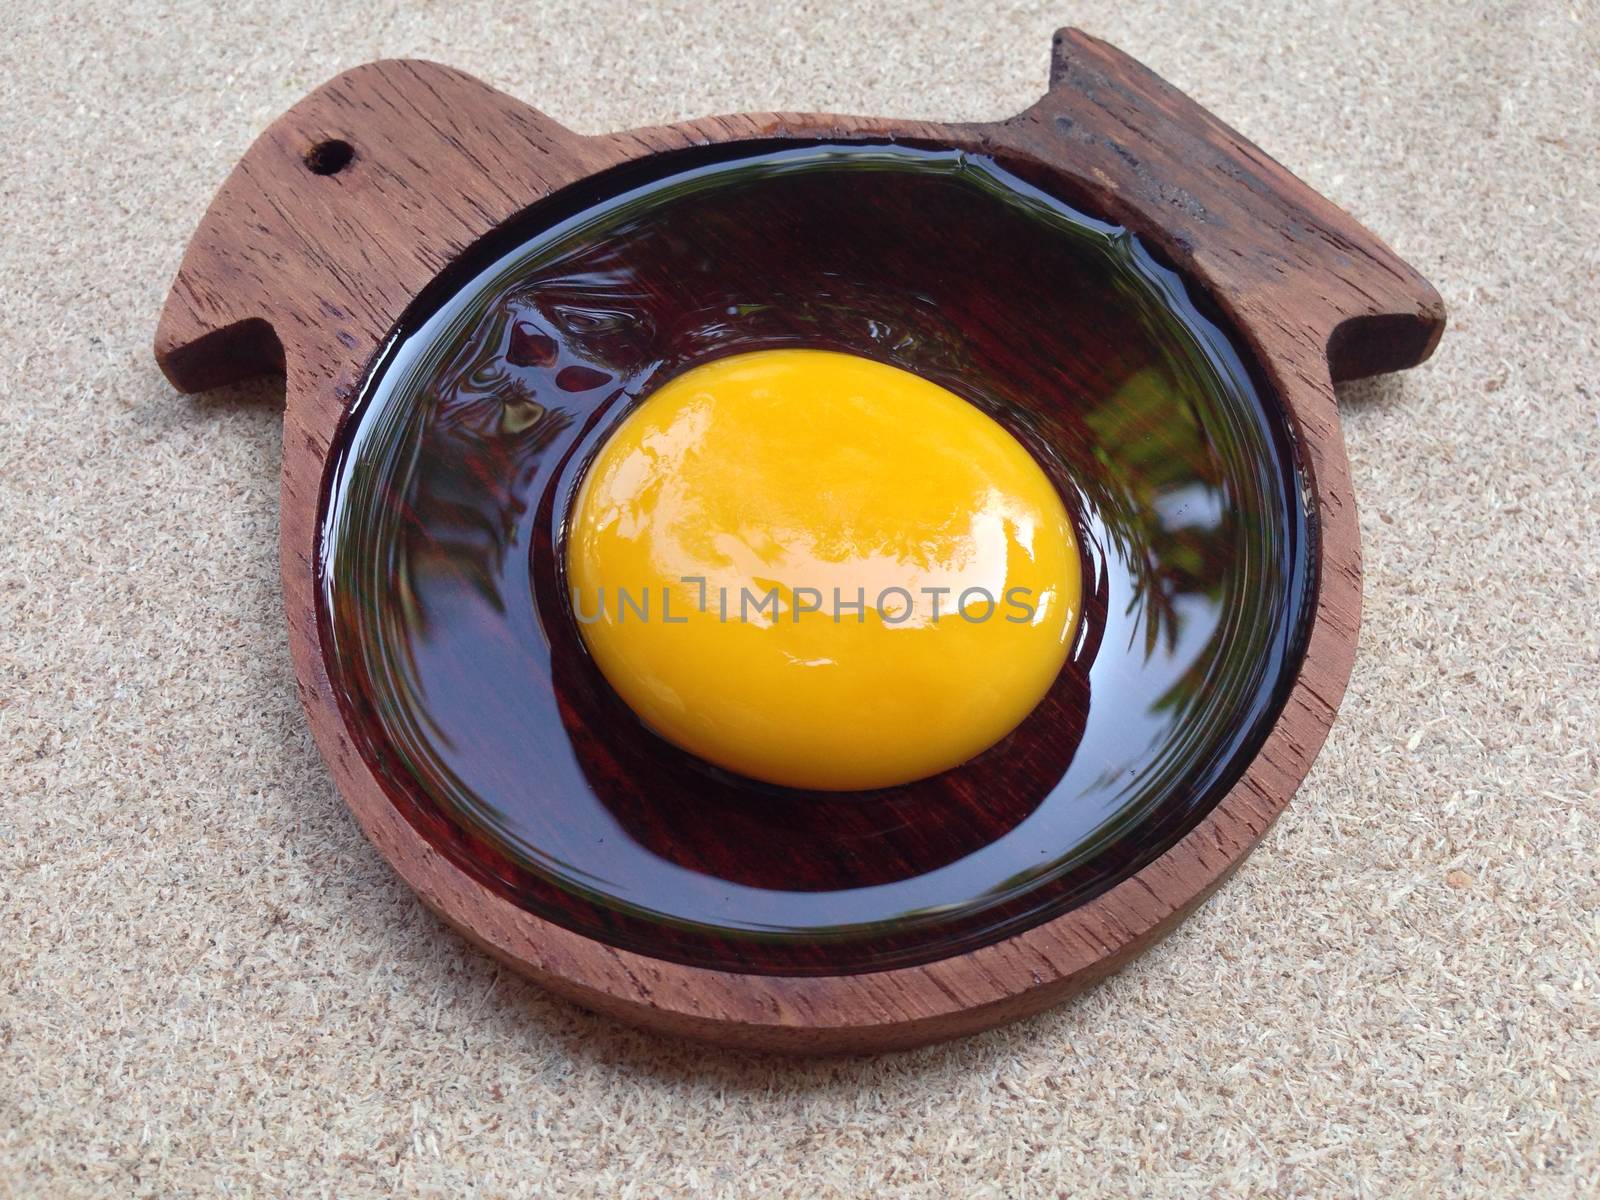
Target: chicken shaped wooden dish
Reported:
[(583, 435)]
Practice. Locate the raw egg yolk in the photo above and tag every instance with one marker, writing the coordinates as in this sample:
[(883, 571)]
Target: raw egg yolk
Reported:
[(821, 571)]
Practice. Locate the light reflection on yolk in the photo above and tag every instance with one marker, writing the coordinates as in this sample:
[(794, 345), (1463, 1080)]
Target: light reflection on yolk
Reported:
[(821, 571)]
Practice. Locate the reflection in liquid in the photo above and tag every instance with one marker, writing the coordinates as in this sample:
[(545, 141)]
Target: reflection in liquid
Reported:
[(458, 663)]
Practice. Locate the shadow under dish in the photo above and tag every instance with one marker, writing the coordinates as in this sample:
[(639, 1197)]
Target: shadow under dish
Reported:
[(459, 666)]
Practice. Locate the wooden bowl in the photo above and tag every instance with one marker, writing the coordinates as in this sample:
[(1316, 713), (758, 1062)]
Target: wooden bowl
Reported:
[(359, 215)]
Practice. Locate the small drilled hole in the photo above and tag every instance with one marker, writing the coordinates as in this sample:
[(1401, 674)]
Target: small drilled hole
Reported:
[(329, 157)]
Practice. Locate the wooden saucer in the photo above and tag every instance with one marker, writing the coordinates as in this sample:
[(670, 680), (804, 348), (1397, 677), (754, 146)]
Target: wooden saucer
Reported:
[(353, 202)]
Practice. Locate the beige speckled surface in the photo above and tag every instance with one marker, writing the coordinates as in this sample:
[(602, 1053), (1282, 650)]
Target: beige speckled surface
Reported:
[(210, 985)]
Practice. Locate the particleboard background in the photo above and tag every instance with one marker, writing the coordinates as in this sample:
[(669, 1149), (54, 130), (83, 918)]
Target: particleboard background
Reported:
[(211, 985)]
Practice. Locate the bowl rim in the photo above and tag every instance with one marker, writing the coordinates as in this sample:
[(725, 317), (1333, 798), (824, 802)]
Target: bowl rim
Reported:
[(484, 274)]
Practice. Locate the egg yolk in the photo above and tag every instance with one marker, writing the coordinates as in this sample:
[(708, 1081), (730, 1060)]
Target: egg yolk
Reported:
[(821, 571)]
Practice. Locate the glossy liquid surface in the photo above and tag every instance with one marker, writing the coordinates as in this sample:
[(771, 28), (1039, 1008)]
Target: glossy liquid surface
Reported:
[(460, 666), (821, 571)]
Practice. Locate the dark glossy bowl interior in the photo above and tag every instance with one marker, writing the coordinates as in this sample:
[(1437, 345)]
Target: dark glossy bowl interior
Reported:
[(459, 667)]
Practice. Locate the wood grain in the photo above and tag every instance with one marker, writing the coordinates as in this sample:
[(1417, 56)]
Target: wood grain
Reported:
[(297, 267)]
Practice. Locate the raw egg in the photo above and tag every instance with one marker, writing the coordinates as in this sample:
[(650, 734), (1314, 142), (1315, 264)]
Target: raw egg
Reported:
[(822, 571)]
